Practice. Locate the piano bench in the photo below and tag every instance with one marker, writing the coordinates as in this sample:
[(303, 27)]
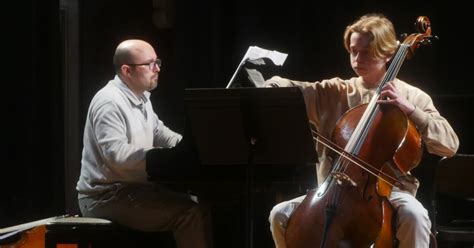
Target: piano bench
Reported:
[(85, 232)]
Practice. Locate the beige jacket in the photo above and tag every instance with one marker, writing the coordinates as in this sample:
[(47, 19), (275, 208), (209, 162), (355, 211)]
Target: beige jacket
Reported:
[(328, 100)]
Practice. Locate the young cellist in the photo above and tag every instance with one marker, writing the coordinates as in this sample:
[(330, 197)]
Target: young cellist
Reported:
[(371, 43)]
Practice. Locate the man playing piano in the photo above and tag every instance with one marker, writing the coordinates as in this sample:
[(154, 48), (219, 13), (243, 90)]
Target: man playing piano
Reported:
[(121, 126)]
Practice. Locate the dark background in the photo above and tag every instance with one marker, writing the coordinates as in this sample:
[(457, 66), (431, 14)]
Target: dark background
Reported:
[(57, 54)]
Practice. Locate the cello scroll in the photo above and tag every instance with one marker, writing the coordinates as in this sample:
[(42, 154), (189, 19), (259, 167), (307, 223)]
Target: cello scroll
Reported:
[(422, 38)]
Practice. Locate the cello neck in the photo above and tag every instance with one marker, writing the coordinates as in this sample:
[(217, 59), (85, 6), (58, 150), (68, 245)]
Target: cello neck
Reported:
[(358, 136)]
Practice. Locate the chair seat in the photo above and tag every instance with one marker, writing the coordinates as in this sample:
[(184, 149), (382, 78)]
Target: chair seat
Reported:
[(79, 221)]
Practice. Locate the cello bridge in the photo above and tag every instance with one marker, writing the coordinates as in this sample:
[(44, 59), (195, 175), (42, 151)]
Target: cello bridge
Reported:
[(343, 179)]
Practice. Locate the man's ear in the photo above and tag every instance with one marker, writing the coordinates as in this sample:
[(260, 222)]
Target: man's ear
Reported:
[(125, 70)]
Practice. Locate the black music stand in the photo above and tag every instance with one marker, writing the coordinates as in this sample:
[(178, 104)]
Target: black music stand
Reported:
[(250, 127)]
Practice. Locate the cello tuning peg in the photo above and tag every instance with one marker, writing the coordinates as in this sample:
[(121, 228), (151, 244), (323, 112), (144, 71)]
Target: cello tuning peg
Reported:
[(431, 38), (425, 42)]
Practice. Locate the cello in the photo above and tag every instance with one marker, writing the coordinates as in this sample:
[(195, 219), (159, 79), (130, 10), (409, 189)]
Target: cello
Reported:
[(374, 146)]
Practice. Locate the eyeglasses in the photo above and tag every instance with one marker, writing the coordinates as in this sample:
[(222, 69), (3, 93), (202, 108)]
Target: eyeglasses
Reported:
[(151, 65)]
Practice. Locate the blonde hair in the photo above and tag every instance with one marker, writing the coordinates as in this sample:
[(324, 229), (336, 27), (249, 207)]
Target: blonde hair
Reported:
[(383, 42)]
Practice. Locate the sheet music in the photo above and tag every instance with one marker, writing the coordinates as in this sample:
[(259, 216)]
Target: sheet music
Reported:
[(255, 53), (255, 77)]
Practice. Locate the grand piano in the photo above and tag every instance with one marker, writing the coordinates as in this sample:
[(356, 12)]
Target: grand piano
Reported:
[(243, 151)]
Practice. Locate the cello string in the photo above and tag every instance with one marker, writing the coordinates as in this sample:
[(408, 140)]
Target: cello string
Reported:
[(393, 70)]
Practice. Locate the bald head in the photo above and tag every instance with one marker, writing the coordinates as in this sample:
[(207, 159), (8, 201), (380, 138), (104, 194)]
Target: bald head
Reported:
[(129, 51)]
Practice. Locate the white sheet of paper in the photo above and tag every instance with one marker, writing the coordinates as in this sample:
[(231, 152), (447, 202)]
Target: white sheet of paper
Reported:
[(255, 77), (255, 52)]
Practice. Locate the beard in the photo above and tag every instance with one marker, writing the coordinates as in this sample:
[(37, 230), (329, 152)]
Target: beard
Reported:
[(153, 84)]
